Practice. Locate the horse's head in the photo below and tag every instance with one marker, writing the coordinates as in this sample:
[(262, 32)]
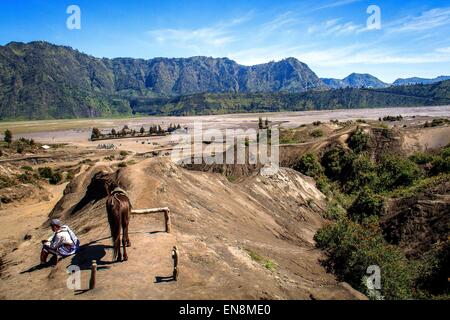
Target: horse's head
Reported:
[(103, 182)]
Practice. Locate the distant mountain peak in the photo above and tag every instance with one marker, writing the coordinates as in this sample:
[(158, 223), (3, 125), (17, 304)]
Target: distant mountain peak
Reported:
[(355, 80), (417, 80)]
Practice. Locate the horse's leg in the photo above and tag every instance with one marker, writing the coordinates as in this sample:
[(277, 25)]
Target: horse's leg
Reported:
[(117, 247), (126, 231), (124, 244)]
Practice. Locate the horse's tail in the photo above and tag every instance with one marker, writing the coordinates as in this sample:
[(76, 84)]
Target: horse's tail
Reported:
[(115, 225)]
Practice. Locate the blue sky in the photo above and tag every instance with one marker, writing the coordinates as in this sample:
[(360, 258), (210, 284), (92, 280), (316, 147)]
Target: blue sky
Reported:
[(330, 36)]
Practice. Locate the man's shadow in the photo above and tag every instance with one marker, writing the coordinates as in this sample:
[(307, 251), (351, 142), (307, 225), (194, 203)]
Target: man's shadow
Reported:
[(83, 258)]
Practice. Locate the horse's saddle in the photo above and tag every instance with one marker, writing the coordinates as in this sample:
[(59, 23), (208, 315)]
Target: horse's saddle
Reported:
[(121, 191)]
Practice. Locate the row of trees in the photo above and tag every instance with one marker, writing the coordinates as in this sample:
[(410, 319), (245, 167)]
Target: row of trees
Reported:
[(8, 138), (263, 124), (127, 132)]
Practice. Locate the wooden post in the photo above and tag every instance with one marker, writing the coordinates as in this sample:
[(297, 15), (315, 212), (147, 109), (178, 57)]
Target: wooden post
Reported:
[(175, 262), (93, 275), (168, 221)]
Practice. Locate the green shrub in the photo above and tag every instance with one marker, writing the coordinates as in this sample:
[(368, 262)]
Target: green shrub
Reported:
[(366, 205), (433, 272), (26, 178), (6, 182), (445, 153), (359, 141), (421, 158), (359, 172), (317, 133), (309, 165), (334, 160), (27, 168), (122, 165), (45, 172), (123, 153), (266, 263), (335, 211), (440, 165), (8, 136), (352, 248), (70, 175), (394, 171), (48, 173), (55, 178)]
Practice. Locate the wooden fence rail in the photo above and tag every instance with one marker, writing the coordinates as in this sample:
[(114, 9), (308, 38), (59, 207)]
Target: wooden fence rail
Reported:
[(166, 212)]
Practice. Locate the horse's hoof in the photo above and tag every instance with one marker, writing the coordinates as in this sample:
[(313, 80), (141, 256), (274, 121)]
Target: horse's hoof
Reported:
[(128, 244), (125, 258)]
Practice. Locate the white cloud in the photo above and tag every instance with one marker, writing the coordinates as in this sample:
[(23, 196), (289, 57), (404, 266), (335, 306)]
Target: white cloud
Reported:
[(209, 36), (216, 35), (282, 21), (335, 4), (334, 28), (427, 20), (443, 50), (339, 56)]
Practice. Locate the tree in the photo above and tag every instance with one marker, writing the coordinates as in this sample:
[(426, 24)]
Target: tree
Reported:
[(394, 171), (260, 123), (8, 136), (95, 133), (334, 161), (113, 132), (359, 141), (367, 204), (310, 166), (142, 131)]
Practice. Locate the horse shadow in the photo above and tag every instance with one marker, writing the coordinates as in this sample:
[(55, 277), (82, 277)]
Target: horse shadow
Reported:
[(87, 253)]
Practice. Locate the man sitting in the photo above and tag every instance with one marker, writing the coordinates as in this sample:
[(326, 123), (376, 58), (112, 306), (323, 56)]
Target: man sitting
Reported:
[(62, 243)]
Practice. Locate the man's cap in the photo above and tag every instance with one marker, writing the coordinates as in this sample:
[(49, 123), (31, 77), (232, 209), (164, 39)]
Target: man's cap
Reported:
[(56, 222)]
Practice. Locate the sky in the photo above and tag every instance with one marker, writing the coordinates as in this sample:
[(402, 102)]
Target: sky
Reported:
[(333, 37)]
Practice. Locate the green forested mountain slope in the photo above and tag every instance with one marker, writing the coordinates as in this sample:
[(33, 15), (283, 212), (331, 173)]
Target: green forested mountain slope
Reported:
[(348, 98), (39, 80)]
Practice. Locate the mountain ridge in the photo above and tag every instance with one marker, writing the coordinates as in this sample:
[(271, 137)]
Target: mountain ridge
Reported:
[(355, 80), (418, 80), (43, 80), (40, 80)]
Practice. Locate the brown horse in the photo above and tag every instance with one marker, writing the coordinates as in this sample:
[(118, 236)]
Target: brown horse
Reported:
[(118, 206)]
